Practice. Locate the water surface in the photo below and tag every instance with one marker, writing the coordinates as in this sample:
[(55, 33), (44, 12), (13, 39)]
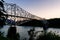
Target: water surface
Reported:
[(23, 30)]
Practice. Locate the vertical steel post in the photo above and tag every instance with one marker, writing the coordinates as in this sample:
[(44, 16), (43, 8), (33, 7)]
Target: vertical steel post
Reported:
[(15, 12)]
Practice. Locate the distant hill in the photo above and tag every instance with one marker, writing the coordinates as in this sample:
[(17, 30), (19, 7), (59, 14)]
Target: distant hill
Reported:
[(32, 23), (54, 22)]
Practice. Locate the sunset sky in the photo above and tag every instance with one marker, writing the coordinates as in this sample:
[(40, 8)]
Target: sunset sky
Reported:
[(42, 8)]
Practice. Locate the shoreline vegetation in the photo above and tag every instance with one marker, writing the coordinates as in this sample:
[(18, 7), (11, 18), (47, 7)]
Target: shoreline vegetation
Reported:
[(48, 36), (52, 23)]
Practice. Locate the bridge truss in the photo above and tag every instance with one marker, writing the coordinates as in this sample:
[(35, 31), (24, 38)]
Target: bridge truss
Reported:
[(16, 11)]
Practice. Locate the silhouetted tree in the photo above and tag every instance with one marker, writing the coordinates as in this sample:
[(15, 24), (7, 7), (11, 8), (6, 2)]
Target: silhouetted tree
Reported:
[(2, 17), (31, 34), (12, 34), (2, 5), (48, 36)]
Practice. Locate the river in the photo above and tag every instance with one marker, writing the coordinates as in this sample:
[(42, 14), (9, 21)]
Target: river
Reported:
[(23, 30)]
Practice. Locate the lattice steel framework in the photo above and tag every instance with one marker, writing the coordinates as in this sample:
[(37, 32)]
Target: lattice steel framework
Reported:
[(15, 10)]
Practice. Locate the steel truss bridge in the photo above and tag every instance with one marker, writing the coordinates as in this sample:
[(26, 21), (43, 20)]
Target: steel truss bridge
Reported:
[(15, 12)]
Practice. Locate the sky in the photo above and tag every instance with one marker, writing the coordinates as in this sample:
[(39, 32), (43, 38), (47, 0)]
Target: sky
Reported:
[(42, 8)]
